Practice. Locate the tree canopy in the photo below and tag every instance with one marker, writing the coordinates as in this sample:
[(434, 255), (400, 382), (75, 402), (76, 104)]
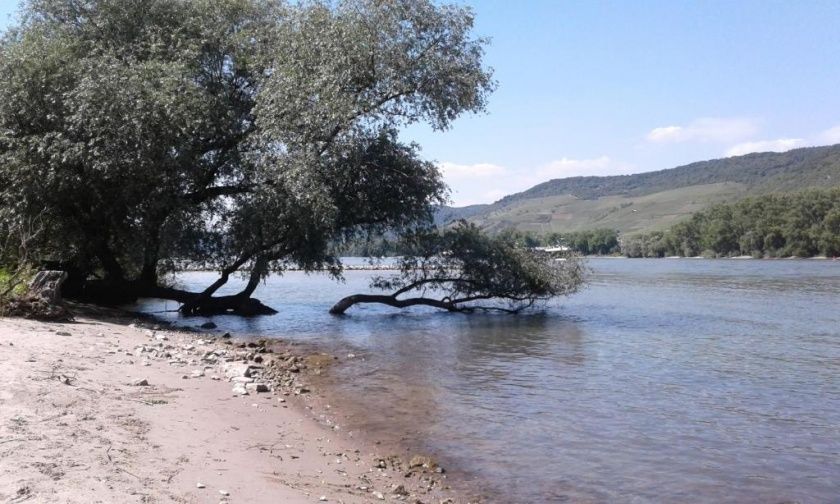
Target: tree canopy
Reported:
[(802, 224), (255, 133), (462, 269)]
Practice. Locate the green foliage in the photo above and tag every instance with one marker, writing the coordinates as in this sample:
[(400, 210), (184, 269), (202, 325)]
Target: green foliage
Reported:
[(601, 241), (801, 224), (466, 266), (13, 284), (244, 132)]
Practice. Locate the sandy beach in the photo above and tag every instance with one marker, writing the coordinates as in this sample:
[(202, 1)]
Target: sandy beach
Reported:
[(113, 411)]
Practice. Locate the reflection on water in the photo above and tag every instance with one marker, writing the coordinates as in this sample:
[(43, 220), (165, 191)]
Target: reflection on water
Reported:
[(663, 381)]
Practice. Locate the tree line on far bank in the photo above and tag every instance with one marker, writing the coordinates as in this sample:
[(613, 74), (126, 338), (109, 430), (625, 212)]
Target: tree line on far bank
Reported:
[(799, 224)]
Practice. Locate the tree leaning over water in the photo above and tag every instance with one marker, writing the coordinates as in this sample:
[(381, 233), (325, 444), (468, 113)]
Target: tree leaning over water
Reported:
[(461, 269), (252, 133)]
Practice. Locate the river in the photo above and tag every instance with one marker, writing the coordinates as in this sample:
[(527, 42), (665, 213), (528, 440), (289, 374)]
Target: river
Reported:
[(663, 381)]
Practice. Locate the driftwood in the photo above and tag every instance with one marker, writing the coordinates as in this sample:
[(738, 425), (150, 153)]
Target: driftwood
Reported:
[(47, 285), (42, 300)]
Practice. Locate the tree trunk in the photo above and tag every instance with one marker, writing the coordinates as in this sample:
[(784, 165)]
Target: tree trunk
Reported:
[(241, 303), (343, 305), (193, 303), (47, 286), (113, 270)]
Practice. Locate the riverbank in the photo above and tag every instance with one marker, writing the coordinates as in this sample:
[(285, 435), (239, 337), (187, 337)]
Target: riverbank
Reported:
[(107, 410)]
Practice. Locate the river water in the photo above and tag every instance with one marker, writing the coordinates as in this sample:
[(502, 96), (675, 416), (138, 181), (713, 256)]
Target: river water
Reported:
[(663, 381)]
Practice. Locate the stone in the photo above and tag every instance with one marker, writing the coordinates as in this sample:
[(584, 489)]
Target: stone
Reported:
[(224, 492), (234, 369), (143, 382), (400, 490), (239, 389), (323, 498), (199, 485), (379, 495), (422, 461), (257, 387), (198, 373)]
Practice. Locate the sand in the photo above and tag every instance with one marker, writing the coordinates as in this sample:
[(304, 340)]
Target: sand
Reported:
[(75, 428)]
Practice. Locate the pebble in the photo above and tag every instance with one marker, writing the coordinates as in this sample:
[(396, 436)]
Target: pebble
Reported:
[(323, 498), (379, 495), (257, 387), (143, 382), (224, 492), (199, 485)]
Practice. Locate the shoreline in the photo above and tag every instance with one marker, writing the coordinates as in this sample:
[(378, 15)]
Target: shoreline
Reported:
[(132, 411)]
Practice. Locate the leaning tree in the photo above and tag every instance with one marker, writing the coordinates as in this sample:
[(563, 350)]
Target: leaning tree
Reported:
[(461, 269), (250, 133)]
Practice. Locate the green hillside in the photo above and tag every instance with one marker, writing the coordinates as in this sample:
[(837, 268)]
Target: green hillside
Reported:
[(653, 200)]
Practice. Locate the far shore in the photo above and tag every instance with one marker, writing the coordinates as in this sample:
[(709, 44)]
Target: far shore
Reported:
[(108, 409), (387, 267)]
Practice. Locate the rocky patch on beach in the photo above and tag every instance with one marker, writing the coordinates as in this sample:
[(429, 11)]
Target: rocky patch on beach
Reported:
[(252, 367)]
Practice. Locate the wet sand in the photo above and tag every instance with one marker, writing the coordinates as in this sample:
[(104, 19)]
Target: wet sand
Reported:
[(78, 424)]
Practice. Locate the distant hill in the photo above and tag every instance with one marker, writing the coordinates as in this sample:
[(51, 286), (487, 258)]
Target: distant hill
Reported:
[(652, 200)]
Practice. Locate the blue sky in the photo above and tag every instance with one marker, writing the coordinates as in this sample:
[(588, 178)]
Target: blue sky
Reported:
[(601, 87)]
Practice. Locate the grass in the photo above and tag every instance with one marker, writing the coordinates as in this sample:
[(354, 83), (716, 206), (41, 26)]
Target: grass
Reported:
[(12, 283), (627, 214)]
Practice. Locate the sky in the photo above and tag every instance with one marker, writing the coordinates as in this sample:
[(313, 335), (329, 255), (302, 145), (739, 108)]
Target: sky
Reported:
[(616, 87)]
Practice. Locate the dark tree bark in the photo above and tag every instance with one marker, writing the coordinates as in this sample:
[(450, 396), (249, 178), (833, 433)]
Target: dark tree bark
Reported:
[(446, 303), (192, 303), (241, 303), (345, 304)]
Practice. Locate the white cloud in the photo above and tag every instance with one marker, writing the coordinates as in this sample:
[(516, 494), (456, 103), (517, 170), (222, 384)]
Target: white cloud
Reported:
[(830, 136), (454, 171), (778, 145), (666, 134), (706, 129), (485, 182)]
